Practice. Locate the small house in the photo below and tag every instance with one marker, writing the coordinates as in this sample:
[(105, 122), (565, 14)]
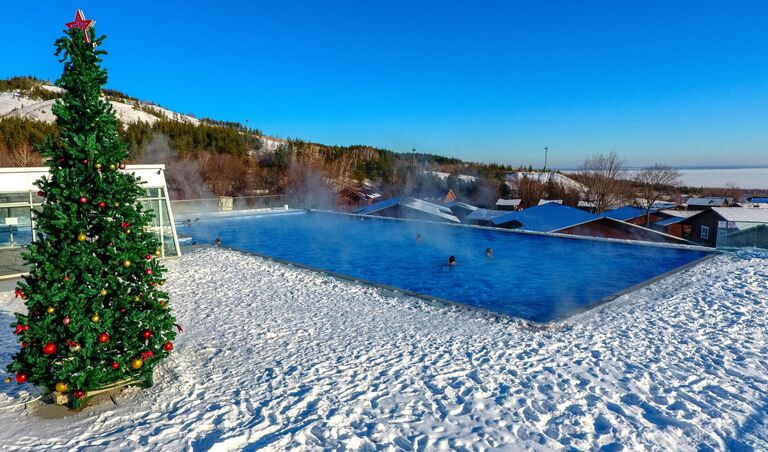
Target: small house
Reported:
[(704, 225)]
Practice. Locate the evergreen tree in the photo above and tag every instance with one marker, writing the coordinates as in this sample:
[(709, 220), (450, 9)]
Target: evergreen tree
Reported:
[(95, 317)]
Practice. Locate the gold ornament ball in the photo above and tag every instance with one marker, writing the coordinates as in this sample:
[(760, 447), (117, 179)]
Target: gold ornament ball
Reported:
[(98, 166), (126, 263), (127, 231), (117, 204), (112, 167), (95, 318), (137, 298), (162, 282), (136, 363), (50, 310), (7, 379), (103, 292), (81, 237), (61, 386), (158, 253), (75, 348)]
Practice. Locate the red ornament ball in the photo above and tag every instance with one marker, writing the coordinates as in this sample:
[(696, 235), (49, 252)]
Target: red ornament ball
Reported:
[(122, 166), (85, 161), (23, 345), (103, 338), (115, 365), (40, 193), (66, 278), (25, 327), (21, 377), (148, 257), (146, 334), (123, 311), (83, 200), (79, 394), (148, 271), (168, 346), (66, 321), (102, 204), (49, 348)]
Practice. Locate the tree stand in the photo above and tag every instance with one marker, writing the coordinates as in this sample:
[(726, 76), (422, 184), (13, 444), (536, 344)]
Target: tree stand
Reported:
[(66, 398)]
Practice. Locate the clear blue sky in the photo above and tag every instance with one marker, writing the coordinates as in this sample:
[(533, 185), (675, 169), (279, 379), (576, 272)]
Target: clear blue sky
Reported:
[(683, 83)]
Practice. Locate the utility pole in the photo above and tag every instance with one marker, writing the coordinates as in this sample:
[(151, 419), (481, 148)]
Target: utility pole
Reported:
[(546, 150), (246, 125)]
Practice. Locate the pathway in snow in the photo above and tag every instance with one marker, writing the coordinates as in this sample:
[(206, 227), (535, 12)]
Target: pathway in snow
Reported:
[(279, 357)]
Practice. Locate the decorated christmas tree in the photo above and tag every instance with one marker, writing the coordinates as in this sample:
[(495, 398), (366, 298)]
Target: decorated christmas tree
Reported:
[(96, 318)]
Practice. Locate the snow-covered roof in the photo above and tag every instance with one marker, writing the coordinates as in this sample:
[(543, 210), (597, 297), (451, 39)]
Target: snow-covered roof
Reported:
[(586, 204), (679, 213), (508, 202), (547, 201), (546, 217), (484, 215), (663, 205), (746, 214), (711, 201), (624, 213), (424, 207)]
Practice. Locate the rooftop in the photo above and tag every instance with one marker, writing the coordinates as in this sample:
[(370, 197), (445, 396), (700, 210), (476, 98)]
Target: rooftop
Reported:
[(746, 214), (625, 213), (485, 214), (425, 207), (548, 217), (709, 201)]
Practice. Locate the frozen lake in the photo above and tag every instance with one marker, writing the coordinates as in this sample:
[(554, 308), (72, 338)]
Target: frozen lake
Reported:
[(741, 177)]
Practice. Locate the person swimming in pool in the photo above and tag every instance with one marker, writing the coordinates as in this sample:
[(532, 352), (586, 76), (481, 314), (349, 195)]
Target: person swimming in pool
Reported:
[(217, 242), (489, 252), (452, 261), (419, 238)]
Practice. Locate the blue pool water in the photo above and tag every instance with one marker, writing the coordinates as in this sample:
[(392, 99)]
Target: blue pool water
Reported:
[(535, 277)]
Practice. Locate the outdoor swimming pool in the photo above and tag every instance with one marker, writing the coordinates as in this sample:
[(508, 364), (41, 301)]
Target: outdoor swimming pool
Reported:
[(539, 278)]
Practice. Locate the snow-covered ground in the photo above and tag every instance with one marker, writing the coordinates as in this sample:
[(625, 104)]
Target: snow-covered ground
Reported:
[(278, 357)]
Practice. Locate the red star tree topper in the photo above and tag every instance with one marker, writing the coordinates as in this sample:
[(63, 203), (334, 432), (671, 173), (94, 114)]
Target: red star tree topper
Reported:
[(81, 23)]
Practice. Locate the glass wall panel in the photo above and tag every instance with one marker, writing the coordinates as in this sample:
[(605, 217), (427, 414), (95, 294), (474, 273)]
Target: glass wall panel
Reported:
[(17, 227)]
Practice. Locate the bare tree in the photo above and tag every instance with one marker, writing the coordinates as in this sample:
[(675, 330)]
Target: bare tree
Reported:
[(25, 155), (224, 173), (653, 182), (605, 176), (530, 191)]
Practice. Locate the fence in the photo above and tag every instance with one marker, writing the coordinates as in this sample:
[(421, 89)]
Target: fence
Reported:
[(742, 234), (186, 207)]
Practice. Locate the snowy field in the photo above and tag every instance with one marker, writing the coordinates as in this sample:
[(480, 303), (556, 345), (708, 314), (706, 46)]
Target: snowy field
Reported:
[(280, 358)]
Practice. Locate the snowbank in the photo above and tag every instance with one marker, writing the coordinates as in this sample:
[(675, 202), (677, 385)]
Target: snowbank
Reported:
[(279, 357)]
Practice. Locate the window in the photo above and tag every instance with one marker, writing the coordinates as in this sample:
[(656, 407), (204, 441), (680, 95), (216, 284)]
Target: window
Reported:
[(705, 232)]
